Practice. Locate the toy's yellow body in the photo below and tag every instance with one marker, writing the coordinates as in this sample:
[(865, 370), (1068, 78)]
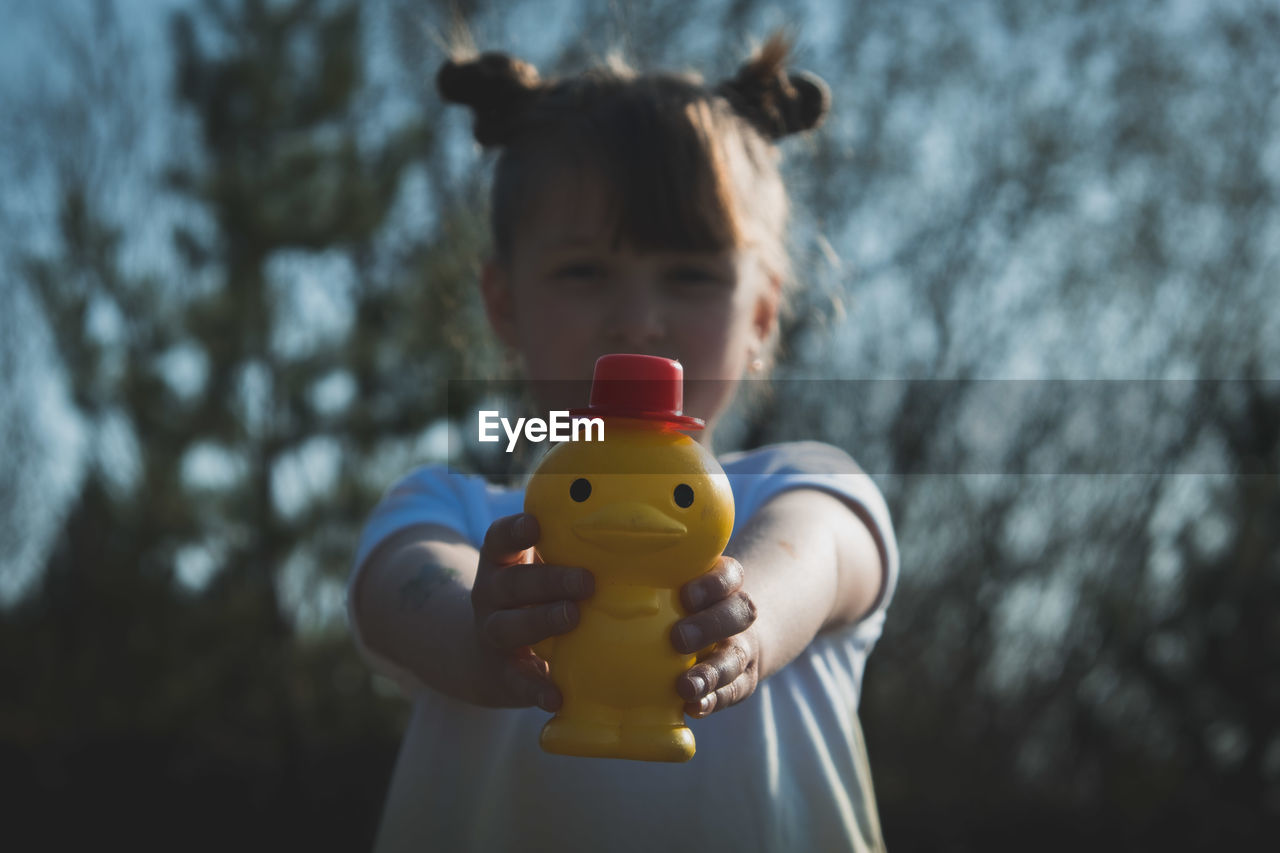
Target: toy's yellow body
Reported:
[(655, 512)]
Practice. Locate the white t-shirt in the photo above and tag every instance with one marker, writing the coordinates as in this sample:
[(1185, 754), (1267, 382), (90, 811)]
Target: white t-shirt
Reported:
[(783, 770)]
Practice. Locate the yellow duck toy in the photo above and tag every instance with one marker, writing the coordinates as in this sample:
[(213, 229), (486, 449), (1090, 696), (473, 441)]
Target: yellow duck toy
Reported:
[(645, 510)]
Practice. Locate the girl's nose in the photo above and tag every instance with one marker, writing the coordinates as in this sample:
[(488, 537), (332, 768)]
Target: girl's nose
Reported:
[(637, 318)]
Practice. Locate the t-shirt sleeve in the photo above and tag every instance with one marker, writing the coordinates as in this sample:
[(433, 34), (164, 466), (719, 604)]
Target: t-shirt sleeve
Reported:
[(429, 495), (760, 475)]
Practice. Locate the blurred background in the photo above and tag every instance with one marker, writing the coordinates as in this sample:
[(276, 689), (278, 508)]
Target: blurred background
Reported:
[(238, 247)]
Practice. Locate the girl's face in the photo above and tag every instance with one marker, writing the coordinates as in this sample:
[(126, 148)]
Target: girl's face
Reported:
[(568, 296)]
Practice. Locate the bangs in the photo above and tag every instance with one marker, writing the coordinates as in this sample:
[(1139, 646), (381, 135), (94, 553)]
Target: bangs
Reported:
[(671, 187), (655, 173)]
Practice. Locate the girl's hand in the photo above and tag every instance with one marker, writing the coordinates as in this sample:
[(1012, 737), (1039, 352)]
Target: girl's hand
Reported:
[(519, 602), (721, 612)]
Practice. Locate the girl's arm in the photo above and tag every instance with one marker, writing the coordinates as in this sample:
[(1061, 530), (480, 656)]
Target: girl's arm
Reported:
[(810, 562), (461, 620), (457, 618)]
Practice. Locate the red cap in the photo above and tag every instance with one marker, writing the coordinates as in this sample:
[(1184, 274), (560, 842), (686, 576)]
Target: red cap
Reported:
[(644, 387)]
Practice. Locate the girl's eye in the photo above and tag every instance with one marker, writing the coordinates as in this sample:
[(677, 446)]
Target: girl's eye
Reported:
[(579, 271), (693, 275), (691, 282)]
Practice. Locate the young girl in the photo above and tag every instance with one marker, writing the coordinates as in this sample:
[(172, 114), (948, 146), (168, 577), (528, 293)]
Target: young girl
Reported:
[(638, 214)]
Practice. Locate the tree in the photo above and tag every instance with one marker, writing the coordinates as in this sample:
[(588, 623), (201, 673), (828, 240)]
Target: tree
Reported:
[(1079, 191), (177, 683)]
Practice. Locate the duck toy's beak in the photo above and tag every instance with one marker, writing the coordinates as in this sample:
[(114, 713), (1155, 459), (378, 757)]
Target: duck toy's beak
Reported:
[(631, 526)]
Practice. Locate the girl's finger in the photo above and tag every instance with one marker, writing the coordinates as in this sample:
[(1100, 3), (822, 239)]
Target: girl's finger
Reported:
[(720, 621), (508, 629), (724, 579), (528, 684), (508, 538), (725, 697), (730, 662), (533, 583)]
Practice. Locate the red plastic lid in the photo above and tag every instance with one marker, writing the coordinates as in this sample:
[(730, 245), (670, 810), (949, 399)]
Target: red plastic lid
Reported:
[(643, 387)]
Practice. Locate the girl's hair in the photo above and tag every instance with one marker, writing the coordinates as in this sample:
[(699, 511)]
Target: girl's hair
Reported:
[(687, 166)]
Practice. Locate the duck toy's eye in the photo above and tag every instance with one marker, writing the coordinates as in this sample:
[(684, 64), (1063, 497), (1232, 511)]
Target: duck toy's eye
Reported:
[(683, 496), (580, 489)]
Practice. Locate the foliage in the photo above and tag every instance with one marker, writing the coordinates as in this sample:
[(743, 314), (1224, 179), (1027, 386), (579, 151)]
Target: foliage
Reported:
[(1082, 646)]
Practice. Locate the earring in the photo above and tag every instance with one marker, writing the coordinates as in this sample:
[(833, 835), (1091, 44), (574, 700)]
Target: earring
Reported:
[(756, 365)]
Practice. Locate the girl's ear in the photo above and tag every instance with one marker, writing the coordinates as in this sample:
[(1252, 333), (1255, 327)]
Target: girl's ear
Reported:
[(499, 307), (768, 301)]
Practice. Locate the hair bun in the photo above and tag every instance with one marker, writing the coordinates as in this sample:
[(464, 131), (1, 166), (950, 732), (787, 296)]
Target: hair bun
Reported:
[(777, 103), (811, 104), (496, 86)]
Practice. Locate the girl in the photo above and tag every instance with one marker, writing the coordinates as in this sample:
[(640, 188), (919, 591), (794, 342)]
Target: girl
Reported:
[(637, 214)]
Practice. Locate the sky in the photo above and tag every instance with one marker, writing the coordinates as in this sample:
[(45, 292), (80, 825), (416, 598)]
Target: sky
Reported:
[(315, 287), (29, 76), (940, 129)]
